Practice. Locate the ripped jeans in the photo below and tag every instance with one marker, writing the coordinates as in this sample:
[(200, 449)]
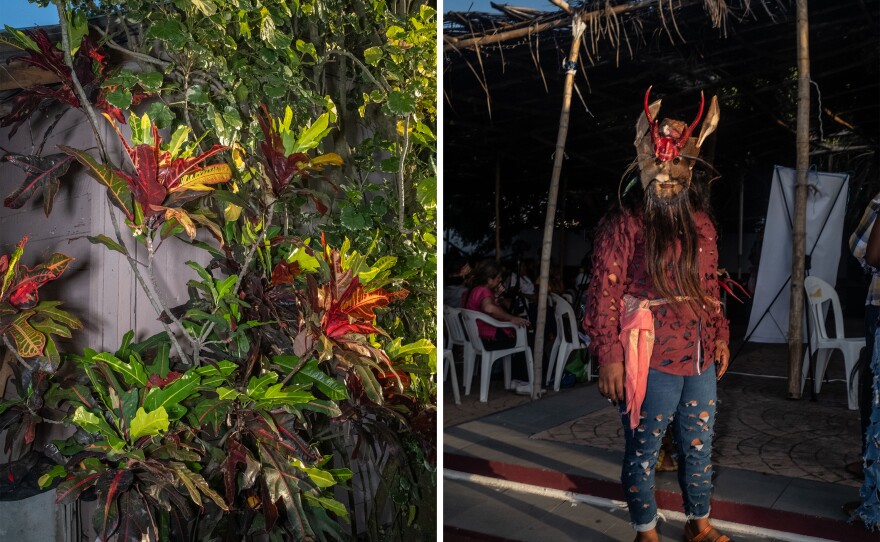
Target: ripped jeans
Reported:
[(689, 403)]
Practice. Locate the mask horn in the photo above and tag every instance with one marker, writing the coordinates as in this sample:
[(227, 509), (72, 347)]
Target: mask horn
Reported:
[(690, 129), (647, 120), (711, 122)]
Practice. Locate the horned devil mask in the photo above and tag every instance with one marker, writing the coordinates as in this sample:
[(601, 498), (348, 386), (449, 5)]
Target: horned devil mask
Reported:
[(666, 151)]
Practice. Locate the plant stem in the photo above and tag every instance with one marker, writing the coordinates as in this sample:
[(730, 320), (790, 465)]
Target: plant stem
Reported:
[(15, 352), (381, 84), (93, 120), (128, 52), (77, 87), (400, 184), (157, 304), (206, 332)]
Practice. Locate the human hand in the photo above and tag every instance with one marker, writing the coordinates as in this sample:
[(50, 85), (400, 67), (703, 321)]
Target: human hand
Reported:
[(611, 382), (519, 322), (722, 359)]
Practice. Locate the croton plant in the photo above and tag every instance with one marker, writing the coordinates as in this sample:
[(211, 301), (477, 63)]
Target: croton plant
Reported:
[(249, 415)]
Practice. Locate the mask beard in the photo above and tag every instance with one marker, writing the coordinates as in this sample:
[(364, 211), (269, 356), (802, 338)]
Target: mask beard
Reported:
[(672, 247)]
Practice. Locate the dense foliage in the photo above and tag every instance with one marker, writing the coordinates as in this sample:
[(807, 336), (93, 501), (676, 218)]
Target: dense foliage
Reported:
[(300, 137)]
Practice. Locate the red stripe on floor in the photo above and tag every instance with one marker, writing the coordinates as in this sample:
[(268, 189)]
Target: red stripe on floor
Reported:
[(463, 535), (746, 514)]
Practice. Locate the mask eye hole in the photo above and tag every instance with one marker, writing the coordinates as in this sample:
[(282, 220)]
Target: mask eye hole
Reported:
[(676, 160), (657, 161)]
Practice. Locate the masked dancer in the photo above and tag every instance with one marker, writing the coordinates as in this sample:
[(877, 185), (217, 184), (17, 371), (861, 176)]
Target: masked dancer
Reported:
[(654, 315)]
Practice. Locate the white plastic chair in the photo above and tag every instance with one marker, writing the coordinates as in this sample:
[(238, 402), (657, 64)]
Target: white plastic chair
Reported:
[(458, 337), (818, 292), (567, 341), (449, 366), (489, 357)]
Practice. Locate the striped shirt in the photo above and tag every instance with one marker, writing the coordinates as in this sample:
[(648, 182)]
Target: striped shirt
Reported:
[(858, 244)]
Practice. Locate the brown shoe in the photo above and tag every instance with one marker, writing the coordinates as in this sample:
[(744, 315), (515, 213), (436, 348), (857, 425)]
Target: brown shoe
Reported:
[(666, 462), (709, 534)]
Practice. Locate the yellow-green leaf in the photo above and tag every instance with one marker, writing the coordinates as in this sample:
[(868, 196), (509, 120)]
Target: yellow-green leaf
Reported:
[(311, 136), (307, 263), (384, 263), (148, 423), (321, 478), (12, 265), (201, 180), (329, 159), (95, 425), (182, 218)]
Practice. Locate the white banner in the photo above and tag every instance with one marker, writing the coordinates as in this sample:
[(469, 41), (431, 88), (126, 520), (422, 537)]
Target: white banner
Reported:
[(826, 207)]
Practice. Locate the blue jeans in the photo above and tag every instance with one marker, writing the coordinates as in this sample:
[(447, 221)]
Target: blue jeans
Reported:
[(689, 403)]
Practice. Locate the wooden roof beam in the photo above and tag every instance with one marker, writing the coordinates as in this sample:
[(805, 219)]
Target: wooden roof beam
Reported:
[(23, 75)]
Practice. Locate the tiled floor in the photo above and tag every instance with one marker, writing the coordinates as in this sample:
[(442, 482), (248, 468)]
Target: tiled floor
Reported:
[(773, 452), (758, 428)]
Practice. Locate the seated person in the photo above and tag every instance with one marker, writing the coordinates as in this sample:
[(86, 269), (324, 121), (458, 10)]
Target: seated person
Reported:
[(483, 282), (521, 292), (457, 268)]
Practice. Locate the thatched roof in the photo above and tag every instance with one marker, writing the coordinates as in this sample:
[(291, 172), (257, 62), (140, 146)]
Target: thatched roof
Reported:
[(503, 85)]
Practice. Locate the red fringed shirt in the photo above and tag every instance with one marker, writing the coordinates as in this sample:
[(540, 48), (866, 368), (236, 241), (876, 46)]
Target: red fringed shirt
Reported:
[(619, 268)]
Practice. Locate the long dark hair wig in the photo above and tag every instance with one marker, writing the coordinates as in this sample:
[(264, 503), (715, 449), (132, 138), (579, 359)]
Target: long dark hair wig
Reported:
[(669, 223)]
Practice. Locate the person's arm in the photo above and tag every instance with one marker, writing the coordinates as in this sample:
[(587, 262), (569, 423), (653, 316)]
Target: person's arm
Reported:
[(872, 252), (611, 259), (718, 323), (493, 309)]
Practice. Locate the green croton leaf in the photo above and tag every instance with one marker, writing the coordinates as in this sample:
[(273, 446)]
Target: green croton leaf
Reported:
[(97, 426), (329, 386), (152, 423), (133, 373), (173, 394)]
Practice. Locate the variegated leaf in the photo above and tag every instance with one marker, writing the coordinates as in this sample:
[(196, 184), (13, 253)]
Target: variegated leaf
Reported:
[(28, 341), (193, 481), (181, 217), (201, 180), (116, 184)]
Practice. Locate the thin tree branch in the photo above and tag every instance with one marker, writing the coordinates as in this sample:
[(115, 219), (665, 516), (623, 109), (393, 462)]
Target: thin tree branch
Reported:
[(157, 305), (128, 52), (15, 352), (206, 332), (400, 183), (381, 84)]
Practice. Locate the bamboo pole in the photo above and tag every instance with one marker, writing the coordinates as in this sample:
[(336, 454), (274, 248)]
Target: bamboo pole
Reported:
[(577, 28), (498, 209), (798, 234)]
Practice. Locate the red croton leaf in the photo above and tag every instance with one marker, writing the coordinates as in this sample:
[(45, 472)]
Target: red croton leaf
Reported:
[(24, 296), (156, 381), (89, 65), (157, 179), (28, 281), (41, 176), (237, 454), (361, 304), (285, 272), (147, 189)]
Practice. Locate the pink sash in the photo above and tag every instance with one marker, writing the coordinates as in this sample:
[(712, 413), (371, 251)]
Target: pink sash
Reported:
[(637, 336)]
